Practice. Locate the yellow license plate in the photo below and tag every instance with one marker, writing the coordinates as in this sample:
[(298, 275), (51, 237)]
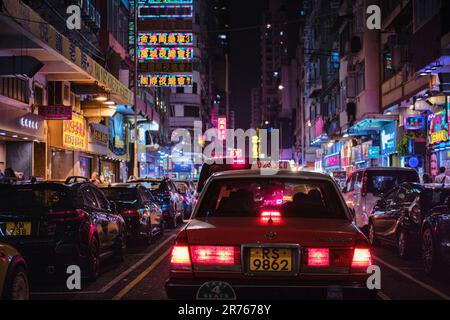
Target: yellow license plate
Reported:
[(18, 228), (270, 260)]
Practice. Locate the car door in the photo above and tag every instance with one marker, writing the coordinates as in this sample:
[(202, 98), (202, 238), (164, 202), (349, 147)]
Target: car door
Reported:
[(113, 221), (382, 211), (99, 218)]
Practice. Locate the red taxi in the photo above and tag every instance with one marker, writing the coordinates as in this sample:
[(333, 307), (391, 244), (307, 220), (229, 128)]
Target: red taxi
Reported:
[(241, 244)]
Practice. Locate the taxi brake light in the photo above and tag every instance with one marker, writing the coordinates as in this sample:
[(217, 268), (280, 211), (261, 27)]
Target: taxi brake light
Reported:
[(213, 255), (180, 256), (362, 258)]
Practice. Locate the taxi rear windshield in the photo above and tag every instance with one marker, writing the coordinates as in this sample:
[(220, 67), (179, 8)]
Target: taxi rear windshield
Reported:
[(292, 198)]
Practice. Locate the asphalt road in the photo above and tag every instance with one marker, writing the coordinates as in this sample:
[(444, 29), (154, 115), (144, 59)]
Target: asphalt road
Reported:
[(143, 273)]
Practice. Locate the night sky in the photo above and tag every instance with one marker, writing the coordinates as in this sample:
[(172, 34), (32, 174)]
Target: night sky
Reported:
[(244, 57)]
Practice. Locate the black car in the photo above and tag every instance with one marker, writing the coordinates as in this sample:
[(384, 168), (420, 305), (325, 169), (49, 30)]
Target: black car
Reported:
[(55, 225), (167, 196), (138, 207), (435, 238), (398, 218)]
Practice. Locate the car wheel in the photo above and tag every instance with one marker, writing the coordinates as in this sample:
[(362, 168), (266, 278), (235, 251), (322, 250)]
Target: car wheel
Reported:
[(403, 245), (94, 260), (430, 258), (17, 287), (372, 235)]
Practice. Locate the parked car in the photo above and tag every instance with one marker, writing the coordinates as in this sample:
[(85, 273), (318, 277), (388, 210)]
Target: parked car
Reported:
[(168, 198), (435, 239), (13, 274), (136, 204), (365, 187), (54, 225), (306, 246), (187, 193)]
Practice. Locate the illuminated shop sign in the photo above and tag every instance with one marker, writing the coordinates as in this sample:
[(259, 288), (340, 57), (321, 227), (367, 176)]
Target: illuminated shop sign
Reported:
[(332, 161), (56, 112), (74, 132), (374, 152), (165, 53), (162, 11), (414, 122), (388, 138), (438, 125), (165, 39), (164, 80), (117, 135), (222, 128)]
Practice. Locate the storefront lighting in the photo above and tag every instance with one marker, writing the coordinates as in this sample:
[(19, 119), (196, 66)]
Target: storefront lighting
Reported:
[(25, 138), (280, 87), (345, 136), (15, 136), (101, 98), (109, 103), (2, 134), (423, 74)]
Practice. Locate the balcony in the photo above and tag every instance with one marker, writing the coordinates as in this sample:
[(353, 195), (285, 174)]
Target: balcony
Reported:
[(182, 122), (185, 98)]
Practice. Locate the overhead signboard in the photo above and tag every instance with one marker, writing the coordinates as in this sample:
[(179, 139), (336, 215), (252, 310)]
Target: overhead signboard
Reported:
[(165, 53), (165, 66), (414, 122), (222, 128), (56, 112), (165, 1), (165, 39), (74, 132), (165, 80)]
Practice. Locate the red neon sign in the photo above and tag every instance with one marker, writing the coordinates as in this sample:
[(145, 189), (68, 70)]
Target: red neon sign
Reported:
[(222, 128)]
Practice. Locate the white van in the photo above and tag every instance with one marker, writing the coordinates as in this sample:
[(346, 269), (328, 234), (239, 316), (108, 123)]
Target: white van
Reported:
[(365, 187)]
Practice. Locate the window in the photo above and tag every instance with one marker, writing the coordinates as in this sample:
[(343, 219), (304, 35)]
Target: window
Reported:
[(103, 202), (38, 96), (180, 89), (14, 88), (424, 10), (360, 77), (89, 197), (191, 111), (194, 88)]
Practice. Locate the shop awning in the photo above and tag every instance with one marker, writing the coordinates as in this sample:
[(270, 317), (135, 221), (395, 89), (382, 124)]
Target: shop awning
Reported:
[(63, 60), (371, 123)]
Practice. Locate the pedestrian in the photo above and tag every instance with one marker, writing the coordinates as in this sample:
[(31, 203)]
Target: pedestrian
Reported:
[(442, 178), (94, 178), (426, 178)]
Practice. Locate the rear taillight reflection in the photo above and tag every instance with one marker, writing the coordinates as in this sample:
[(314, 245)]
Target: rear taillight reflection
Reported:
[(68, 215), (214, 255), (180, 256), (273, 216), (318, 257), (362, 258)]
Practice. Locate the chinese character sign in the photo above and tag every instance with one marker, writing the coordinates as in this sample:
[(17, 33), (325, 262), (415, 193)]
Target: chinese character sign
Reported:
[(164, 39), (164, 80), (160, 11), (74, 132), (222, 128), (165, 53)]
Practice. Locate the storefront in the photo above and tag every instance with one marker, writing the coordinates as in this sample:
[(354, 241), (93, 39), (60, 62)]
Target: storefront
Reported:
[(22, 142)]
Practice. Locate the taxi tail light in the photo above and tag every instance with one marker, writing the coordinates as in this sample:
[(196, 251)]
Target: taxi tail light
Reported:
[(362, 258), (180, 258), (215, 255), (130, 213), (274, 216), (318, 257)]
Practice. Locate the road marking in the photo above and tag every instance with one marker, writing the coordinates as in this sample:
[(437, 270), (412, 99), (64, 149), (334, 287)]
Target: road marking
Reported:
[(141, 276), (420, 283), (383, 296), (135, 266)]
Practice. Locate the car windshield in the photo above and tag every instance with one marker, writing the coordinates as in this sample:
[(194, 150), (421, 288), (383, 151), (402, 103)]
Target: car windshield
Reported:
[(152, 185), (292, 198), (31, 198), (182, 187), (381, 182), (120, 194)]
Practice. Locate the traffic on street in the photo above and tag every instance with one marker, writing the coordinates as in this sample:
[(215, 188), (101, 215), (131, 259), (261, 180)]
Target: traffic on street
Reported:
[(219, 151)]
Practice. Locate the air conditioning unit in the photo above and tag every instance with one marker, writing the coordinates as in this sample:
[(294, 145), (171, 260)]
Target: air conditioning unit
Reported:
[(58, 93)]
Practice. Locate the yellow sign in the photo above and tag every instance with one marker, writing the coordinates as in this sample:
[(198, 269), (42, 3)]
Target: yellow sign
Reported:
[(74, 133), (439, 136), (33, 23)]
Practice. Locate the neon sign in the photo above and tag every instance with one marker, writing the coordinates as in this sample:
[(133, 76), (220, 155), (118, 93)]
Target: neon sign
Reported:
[(414, 122), (164, 80), (438, 128), (165, 1), (165, 39), (222, 128), (165, 53), (160, 11), (332, 161)]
